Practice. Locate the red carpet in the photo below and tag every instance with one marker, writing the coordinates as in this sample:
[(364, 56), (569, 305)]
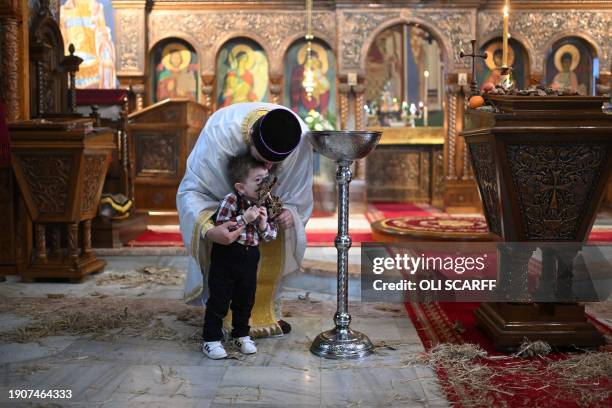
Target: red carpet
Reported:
[(322, 229), (455, 323), (380, 210), (154, 239)]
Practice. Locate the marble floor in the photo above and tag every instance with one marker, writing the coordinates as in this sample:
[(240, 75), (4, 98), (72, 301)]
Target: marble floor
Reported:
[(134, 371)]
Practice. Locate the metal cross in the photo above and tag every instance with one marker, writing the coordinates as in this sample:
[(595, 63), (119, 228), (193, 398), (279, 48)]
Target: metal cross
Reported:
[(473, 55)]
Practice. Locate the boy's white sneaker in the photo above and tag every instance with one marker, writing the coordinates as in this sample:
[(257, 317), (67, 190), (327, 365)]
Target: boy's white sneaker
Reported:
[(246, 345), (214, 350)]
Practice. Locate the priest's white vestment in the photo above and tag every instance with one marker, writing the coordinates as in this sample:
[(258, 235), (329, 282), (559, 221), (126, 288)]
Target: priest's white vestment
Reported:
[(206, 182)]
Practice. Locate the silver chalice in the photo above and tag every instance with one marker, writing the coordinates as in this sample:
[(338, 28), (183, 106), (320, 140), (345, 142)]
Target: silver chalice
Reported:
[(342, 342)]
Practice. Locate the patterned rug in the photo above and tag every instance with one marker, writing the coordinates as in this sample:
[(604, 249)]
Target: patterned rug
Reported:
[(436, 227)]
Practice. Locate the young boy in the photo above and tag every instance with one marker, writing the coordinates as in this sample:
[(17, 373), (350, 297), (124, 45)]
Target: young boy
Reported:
[(232, 276)]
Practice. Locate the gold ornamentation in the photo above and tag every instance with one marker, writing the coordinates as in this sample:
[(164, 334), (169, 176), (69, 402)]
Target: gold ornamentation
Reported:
[(541, 28), (569, 49), (356, 26), (248, 122), (130, 40), (208, 29)]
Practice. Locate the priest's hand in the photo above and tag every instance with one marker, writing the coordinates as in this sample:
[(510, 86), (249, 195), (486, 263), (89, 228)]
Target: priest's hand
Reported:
[(284, 219), (225, 233)]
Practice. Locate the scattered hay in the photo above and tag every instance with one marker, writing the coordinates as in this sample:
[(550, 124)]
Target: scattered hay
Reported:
[(582, 367), (529, 349), (456, 353), (30, 369), (192, 316), (385, 308), (147, 275), (479, 380), (103, 318), (55, 295)]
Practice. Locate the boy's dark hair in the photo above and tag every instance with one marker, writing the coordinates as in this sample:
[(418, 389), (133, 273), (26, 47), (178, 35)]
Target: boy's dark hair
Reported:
[(239, 166)]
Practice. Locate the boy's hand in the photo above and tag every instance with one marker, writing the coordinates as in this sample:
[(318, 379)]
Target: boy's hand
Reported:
[(263, 218), (251, 214)]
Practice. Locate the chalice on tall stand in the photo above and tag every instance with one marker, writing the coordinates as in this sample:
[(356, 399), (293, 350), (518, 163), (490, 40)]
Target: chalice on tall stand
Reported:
[(342, 342)]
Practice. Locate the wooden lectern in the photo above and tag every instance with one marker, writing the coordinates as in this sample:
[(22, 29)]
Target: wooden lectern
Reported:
[(60, 168), (542, 165), (161, 137)]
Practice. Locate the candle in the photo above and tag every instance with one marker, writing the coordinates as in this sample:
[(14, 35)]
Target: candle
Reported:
[(426, 75), (505, 38)]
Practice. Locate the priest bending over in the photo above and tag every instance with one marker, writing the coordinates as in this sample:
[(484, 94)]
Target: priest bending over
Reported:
[(269, 133)]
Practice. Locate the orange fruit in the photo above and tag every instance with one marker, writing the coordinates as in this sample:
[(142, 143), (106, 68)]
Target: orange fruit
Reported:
[(476, 101)]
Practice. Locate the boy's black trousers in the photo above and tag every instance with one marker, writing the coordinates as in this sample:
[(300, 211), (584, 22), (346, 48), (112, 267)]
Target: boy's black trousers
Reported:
[(232, 280)]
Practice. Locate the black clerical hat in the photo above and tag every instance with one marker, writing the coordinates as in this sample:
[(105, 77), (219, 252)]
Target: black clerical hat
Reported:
[(276, 134)]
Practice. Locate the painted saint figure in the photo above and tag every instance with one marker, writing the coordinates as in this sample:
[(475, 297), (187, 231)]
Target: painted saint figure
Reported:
[(494, 62), (243, 74), (84, 24), (239, 81), (318, 64), (177, 73), (567, 59)]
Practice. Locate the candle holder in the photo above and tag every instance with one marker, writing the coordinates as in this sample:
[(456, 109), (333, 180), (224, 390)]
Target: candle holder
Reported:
[(505, 78), (342, 342)]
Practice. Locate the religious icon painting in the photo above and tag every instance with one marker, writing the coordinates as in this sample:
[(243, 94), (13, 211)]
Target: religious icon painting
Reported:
[(89, 26), (176, 71), (242, 73), (570, 65), (315, 73), (384, 67), (488, 70)]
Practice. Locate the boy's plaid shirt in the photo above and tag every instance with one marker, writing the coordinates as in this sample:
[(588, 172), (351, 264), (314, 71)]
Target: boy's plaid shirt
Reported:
[(250, 236)]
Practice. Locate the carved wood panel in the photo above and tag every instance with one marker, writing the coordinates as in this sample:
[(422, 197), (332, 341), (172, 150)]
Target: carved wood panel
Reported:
[(483, 162), (156, 153), (130, 41), (94, 176), (555, 183), (48, 178), (403, 173)]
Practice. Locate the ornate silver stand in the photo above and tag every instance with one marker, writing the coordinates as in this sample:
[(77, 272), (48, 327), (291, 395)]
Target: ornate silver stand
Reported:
[(343, 146)]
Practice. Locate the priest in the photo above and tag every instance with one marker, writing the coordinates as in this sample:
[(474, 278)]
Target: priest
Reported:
[(275, 136)]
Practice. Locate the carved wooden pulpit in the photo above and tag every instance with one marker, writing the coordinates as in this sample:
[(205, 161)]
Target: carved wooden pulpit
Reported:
[(542, 164), (60, 168), (161, 137)]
